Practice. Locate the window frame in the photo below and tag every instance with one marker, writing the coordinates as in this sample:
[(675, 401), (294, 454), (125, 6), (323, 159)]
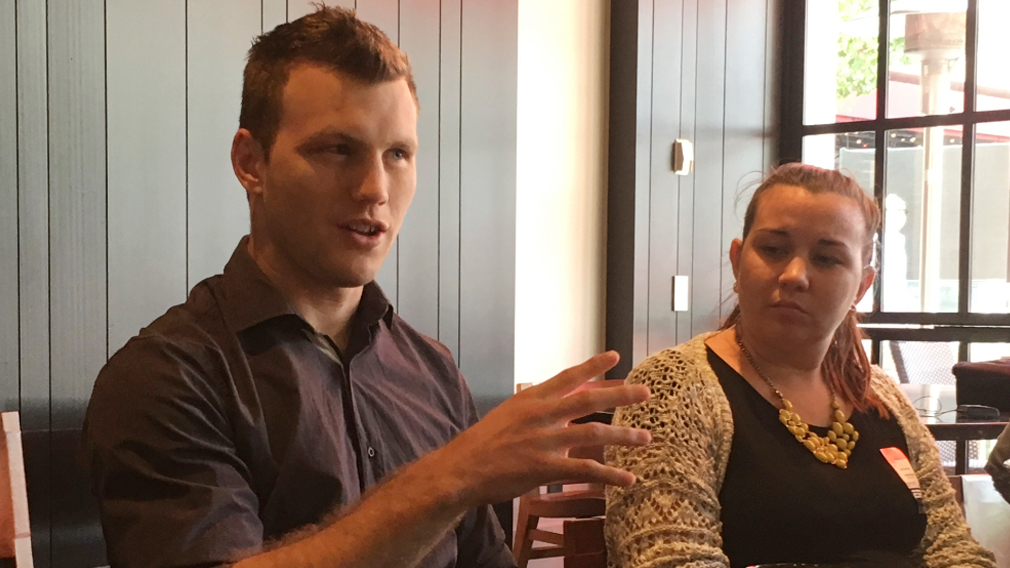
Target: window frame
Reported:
[(962, 326)]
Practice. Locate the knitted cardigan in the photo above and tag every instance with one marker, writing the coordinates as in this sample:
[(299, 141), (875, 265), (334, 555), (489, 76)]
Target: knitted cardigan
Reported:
[(670, 516)]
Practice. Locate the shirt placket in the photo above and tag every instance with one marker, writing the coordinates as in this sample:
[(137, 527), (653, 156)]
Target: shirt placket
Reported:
[(365, 453)]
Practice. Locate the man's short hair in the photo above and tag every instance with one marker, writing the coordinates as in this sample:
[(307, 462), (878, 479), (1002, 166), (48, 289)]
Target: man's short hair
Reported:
[(331, 37)]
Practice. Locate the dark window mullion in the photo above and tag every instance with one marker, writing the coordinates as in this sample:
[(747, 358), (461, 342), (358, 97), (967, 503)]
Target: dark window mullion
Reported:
[(880, 143), (879, 165), (883, 55), (906, 122), (967, 160)]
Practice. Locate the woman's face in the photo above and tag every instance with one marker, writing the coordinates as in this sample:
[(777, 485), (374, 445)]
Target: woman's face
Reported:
[(801, 267)]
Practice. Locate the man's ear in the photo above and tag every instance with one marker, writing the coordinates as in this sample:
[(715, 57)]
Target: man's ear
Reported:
[(248, 159)]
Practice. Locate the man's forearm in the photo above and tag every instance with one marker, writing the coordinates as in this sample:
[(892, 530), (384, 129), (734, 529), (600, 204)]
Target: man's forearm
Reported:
[(394, 526)]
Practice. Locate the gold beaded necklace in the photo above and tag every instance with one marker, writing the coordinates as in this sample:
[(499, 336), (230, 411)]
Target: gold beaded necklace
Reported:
[(836, 447)]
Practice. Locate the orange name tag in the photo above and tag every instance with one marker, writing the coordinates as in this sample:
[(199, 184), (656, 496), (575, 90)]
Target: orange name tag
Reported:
[(899, 462)]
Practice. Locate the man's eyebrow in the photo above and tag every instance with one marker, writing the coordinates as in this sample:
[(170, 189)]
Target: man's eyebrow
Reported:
[(329, 135)]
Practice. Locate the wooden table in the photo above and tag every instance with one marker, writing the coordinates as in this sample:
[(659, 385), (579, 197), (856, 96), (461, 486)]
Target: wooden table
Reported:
[(963, 430)]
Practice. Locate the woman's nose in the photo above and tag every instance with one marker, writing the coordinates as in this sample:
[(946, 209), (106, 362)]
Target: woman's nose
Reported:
[(795, 273)]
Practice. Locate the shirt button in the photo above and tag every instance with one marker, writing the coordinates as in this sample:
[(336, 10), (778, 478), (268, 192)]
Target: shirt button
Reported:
[(371, 452)]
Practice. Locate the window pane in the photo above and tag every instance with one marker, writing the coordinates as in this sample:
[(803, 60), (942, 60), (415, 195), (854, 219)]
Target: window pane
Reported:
[(920, 362), (921, 220), (993, 45), (851, 153), (988, 351), (990, 281), (840, 60), (925, 68)]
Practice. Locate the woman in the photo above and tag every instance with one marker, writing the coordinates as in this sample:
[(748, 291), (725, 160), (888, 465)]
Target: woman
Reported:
[(767, 435)]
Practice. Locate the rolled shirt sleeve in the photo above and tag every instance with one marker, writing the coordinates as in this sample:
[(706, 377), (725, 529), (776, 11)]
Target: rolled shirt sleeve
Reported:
[(160, 454)]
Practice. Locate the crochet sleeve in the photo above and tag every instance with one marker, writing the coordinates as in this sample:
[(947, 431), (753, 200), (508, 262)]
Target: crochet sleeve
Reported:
[(670, 516), (948, 541)]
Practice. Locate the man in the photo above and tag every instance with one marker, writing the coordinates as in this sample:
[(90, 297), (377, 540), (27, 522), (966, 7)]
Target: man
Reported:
[(284, 415)]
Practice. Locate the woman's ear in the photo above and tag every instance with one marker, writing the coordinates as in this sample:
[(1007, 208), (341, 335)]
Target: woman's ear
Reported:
[(735, 250), (869, 274)]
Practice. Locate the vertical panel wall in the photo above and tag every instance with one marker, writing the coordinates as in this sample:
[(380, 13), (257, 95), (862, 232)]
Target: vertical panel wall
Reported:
[(449, 130), (33, 263), (147, 144), (9, 342), (487, 180), (77, 248), (631, 54), (117, 196), (706, 63), (216, 203), (418, 302)]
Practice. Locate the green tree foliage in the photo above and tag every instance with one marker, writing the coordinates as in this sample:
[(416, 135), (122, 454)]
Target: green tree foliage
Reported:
[(857, 56)]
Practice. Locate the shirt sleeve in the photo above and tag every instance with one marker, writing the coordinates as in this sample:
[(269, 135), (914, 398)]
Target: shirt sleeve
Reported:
[(157, 446), (670, 515), (995, 468)]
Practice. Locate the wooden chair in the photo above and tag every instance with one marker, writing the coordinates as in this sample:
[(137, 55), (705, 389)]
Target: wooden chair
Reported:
[(581, 541), (15, 531)]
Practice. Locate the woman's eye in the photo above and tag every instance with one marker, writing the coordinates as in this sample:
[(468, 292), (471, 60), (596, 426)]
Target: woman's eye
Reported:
[(772, 250), (827, 260)]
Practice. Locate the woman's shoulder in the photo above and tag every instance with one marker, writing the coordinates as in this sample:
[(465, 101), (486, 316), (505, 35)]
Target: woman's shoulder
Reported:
[(676, 366), (886, 388)]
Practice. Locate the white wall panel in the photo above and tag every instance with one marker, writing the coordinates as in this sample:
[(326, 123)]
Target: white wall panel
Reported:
[(220, 32), (147, 162), (9, 342)]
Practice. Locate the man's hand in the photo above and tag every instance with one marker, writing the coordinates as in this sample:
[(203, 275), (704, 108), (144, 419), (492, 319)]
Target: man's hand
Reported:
[(525, 442)]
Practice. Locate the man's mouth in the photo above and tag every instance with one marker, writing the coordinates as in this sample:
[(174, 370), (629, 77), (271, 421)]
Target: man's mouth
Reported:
[(366, 228)]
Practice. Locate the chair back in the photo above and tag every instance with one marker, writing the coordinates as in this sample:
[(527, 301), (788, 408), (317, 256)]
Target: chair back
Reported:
[(15, 529)]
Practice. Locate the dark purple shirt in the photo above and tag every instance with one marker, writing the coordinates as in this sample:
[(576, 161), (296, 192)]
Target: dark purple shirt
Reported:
[(230, 422)]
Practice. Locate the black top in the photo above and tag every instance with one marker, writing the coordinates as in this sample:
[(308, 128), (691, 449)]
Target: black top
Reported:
[(229, 422), (781, 504)]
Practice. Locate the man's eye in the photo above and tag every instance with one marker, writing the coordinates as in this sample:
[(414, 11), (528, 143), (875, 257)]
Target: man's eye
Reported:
[(399, 154), (342, 149), (771, 250)]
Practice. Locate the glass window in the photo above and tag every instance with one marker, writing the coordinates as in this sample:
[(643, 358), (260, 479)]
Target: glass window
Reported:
[(993, 73), (851, 152), (990, 270), (988, 351), (919, 362), (921, 221), (925, 71), (840, 75)]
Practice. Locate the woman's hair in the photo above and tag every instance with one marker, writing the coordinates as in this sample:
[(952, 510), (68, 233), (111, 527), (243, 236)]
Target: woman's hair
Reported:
[(845, 366)]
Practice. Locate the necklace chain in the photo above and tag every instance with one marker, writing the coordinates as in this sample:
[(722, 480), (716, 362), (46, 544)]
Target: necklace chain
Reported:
[(836, 447)]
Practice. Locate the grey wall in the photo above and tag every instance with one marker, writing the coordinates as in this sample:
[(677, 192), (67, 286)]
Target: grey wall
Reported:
[(117, 196), (703, 70)]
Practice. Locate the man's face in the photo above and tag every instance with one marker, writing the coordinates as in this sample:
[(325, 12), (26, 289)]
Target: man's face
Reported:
[(339, 178)]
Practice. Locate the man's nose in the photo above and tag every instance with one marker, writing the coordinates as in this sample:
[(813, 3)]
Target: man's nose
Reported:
[(374, 186)]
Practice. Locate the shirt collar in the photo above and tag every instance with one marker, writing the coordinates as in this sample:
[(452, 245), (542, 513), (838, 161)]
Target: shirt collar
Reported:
[(252, 299)]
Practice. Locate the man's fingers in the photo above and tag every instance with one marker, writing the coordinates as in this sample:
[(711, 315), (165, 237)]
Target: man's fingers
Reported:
[(568, 380), (592, 471), (599, 434), (595, 400)]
